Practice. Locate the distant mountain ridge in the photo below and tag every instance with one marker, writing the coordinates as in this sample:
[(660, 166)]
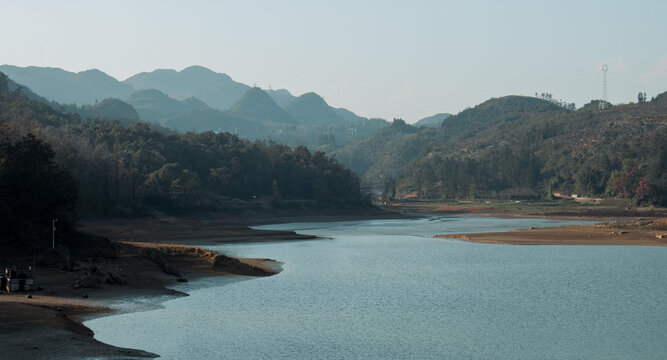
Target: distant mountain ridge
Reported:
[(185, 90), (282, 97), (85, 87), (199, 99), (258, 105), (217, 90), (13, 86), (310, 107)]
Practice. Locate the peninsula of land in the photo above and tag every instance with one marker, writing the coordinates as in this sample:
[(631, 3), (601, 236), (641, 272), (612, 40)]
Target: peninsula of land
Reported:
[(46, 323)]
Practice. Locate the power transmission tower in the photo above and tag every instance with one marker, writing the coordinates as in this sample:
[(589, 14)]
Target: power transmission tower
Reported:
[(603, 102)]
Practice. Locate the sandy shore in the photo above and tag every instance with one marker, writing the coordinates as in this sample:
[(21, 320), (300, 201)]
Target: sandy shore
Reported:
[(147, 256), (48, 325), (634, 233), (172, 230)]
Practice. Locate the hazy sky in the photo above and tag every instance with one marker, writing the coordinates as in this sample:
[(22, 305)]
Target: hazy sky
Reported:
[(390, 59)]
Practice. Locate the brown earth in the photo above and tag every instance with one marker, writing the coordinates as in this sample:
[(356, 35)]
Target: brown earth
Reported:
[(48, 325), (630, 233), (143, 260), (527, 209)]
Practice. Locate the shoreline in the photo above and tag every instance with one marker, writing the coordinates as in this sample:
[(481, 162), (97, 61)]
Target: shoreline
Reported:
[(556, 210), (48, 323), (133, 266), (53, 317), (606, 234), (619, 226)]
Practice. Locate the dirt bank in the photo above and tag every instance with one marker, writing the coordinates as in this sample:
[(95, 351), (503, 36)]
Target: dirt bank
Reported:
[(629, 233), (46, 323)]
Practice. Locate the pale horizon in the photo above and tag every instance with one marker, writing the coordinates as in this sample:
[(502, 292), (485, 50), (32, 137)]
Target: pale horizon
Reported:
[(405, 61)]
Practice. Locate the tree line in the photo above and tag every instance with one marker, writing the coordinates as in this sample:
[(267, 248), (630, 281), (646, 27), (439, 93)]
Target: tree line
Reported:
[(503, 149), (53, 165)]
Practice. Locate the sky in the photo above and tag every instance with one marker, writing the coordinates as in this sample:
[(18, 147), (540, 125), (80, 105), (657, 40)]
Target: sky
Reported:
[(388, 59)]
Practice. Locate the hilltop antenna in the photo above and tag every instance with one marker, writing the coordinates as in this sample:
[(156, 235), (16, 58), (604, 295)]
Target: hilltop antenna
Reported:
[(603, 102)]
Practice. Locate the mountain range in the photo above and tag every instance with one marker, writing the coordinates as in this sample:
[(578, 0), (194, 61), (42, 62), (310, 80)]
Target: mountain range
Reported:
[(199, 99), (85, 87), (217, 90), (509, 147)]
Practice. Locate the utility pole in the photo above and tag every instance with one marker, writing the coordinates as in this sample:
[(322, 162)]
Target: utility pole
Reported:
[(603, 102), (53, 233)]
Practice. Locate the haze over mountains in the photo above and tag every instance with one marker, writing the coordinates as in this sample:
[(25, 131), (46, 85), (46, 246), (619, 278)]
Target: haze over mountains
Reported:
[(86, 87), (200, 99), (508, 147), (217, 90)]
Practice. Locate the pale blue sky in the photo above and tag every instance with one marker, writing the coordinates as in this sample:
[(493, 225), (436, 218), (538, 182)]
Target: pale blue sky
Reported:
[(388, 59)]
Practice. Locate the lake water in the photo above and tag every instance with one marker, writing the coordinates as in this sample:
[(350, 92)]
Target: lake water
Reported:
[(386, 289)]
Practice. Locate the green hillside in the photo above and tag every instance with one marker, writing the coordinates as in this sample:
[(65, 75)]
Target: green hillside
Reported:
[(202, 120), (521, 147), (257, 105), (217, 90), (383, 155), (53, 165), (432, 121), (154, 106), (109, 109), (310, 108)]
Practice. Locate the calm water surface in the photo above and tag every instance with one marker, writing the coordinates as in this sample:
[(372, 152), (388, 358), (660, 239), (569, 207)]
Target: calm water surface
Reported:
[(385, 289)]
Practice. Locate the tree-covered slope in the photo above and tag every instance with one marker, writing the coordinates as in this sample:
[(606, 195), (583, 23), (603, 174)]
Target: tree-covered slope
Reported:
[(133, 170), (526, 147), (155, 106), (432, 121), (521, 147), (382, 156)]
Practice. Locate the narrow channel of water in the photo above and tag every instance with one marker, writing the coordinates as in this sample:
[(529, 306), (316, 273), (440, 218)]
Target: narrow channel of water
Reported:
[(385, 289)]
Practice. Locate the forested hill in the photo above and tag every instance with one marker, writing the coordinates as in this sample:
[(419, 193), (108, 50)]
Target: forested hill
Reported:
[(199, 99), (432, 121), (522, 147), (53, 165)]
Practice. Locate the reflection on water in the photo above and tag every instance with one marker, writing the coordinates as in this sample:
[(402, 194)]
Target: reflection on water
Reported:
[(387, 289)]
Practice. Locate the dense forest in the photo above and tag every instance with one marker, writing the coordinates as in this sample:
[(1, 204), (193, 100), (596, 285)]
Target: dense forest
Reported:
[(522, 148), (54, 165)]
